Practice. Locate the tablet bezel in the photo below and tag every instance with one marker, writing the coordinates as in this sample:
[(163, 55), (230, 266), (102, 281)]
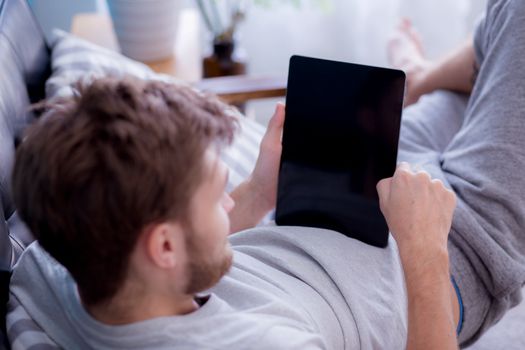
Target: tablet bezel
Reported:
[(379, 240)]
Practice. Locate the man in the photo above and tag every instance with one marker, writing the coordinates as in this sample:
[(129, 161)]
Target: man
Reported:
[(123, 187)]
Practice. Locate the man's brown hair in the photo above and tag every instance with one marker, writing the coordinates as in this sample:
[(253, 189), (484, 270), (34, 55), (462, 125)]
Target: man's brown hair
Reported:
[(101, 166)]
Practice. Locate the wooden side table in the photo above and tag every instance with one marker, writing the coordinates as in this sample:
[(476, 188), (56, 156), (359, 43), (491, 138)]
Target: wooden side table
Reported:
[(185, 63)]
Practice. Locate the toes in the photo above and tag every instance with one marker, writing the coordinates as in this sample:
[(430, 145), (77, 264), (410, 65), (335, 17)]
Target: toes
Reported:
[(405, 23), (416, 39), (406, 38)]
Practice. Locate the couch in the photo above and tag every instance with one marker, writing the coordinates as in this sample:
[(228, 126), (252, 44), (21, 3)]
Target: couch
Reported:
[(24, 68)]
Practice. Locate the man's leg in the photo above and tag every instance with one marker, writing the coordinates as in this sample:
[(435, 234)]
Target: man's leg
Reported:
[(428, 127), (484, 164)]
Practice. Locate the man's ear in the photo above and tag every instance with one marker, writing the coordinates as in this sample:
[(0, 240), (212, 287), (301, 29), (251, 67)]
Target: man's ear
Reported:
[(164, 244)]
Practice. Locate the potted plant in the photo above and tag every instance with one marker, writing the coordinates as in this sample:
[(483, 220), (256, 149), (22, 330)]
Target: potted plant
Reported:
[(222, 19)]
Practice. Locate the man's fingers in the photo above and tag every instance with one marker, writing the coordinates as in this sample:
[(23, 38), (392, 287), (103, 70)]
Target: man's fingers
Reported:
[(275, 127), (424, 176), (404, 166), (449, 195), (438, 183)]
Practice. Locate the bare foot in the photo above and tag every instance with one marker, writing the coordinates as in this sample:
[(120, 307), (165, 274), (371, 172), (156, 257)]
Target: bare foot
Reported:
[(405, 52), (405, 47)]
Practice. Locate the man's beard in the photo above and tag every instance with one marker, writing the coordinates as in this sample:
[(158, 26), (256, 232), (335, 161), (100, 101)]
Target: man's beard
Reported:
[(203, 272)]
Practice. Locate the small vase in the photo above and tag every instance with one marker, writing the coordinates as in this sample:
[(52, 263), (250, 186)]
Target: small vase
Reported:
[(224, 61)]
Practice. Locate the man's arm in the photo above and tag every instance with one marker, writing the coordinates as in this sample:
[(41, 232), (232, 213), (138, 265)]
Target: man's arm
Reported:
[(433, 309), (256, 196), (249, 209), (419, 215), (455, 72)]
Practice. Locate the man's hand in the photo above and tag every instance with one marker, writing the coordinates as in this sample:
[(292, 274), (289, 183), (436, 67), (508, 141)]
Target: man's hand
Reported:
[(265, 175), (418, 211), (256, 196)]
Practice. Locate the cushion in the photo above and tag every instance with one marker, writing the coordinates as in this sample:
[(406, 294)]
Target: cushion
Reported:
[(23, 332)]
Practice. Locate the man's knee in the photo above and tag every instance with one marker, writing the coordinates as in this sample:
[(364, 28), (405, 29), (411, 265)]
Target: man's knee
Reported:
[(503, 13)]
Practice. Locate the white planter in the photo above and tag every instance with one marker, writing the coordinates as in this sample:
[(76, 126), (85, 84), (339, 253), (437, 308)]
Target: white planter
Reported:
[(145, 29)]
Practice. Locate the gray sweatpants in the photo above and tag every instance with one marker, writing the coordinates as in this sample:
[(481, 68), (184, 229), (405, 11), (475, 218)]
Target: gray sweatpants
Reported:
[(476, 145)]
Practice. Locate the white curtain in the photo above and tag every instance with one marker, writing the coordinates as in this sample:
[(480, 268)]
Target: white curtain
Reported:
[(350, 30)]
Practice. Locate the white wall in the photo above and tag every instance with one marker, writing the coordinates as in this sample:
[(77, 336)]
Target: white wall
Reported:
[(355, 30)]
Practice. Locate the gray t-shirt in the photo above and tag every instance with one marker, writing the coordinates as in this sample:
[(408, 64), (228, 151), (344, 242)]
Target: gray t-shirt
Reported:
[(289, 288)]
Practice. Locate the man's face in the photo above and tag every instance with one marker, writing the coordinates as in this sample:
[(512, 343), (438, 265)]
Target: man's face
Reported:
[(208, 250)]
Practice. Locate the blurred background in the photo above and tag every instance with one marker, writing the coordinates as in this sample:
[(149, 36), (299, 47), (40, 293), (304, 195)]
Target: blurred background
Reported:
[(346, 30)]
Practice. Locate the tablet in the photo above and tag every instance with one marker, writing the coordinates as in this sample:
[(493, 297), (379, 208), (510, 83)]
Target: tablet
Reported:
[(340, 138)]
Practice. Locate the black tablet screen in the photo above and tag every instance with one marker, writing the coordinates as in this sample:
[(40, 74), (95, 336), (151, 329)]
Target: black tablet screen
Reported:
[(340, 138)]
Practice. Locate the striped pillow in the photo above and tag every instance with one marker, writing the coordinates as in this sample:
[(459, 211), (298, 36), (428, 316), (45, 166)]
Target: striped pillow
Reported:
[(23, 332)]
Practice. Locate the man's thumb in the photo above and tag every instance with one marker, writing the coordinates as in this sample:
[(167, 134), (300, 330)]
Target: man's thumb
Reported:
[(383, 191)]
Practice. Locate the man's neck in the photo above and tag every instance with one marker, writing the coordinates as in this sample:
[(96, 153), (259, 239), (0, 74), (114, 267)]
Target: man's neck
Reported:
[(125, 309)]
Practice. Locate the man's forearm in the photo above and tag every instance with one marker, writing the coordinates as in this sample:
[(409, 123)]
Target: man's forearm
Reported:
[(419, 213), (256, 196), (454, 72), (433, 309), (249, 207)]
